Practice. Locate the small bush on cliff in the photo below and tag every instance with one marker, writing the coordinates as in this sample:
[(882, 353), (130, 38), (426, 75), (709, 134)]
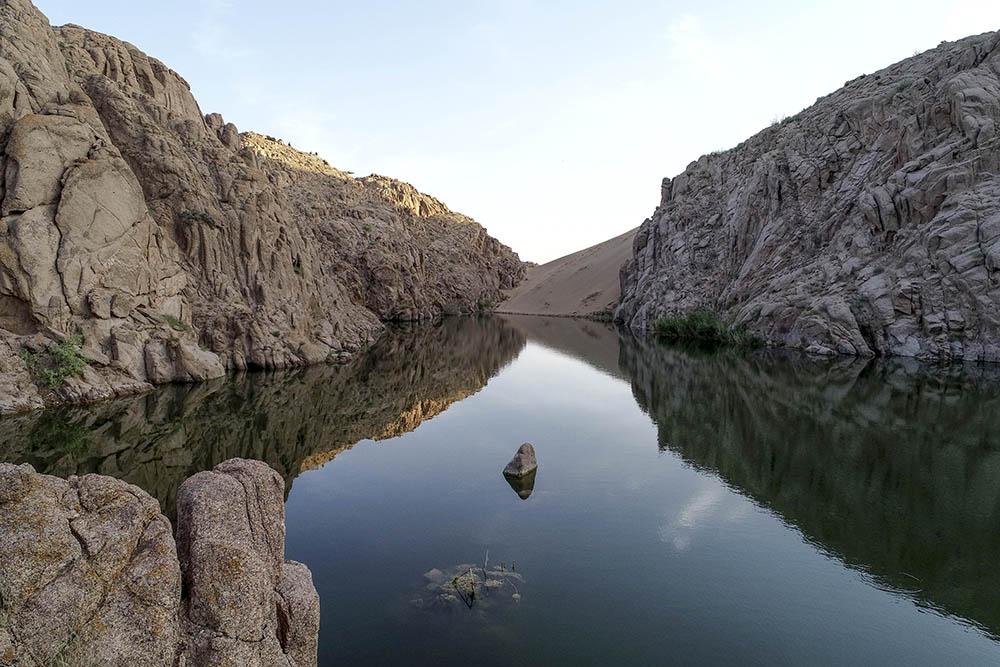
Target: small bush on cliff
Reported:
[(703, 328), (197, 218), (175, 323), (58, 363)]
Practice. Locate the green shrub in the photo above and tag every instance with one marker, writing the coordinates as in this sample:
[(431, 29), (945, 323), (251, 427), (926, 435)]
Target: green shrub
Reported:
[(703, 328), (58, 363), (197, 218), (175, 323)]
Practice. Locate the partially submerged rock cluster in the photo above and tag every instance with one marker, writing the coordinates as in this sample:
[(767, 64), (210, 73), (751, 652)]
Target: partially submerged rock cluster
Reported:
[(90, 574), (472, 586)]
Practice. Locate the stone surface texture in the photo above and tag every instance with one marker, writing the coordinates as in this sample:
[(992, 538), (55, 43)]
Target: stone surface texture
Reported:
[(91, 575), (523, 463), (179, 248), (868, 223)]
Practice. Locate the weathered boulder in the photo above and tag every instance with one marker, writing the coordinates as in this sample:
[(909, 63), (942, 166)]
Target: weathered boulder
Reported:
[(246, 605), (90, 573), (868, 223), (523, 463)]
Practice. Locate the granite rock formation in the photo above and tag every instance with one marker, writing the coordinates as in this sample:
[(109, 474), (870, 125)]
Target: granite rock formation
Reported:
[(91, 576), (178, 248), (867, 224)]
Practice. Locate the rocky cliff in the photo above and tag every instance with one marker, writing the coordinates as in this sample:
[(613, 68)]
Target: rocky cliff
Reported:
[(158, 244), (91, 574), (868, 223)]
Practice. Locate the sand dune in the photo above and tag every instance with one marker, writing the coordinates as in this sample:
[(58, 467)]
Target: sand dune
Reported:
[(584, 283)]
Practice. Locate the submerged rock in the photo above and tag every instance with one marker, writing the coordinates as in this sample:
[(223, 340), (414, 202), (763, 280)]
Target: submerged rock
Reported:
[(90, 573), (469, 586), (523, 463)]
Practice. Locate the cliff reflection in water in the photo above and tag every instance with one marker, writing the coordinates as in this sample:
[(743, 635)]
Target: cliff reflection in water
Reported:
[(892, 467), (293, 420)]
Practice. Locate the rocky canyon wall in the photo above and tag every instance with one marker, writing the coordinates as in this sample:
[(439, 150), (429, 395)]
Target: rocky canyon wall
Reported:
[(867, 224), (157, 244)]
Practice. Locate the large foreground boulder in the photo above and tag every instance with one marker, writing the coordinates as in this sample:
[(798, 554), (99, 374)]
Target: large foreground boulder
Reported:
[(90, 574)]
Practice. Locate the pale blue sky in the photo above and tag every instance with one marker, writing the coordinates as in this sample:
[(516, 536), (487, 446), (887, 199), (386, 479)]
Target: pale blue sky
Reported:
[(552, 123)]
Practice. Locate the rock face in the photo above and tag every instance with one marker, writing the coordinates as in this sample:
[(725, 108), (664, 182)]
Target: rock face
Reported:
[(523, 463), (246, 604), (867, 224), (91, 576), (177, 247)]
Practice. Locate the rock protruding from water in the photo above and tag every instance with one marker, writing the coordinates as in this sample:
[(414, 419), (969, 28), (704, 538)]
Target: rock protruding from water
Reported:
[(91, 575), (523, 463)]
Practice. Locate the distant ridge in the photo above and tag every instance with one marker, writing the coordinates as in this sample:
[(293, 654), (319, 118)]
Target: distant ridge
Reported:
[(583, 284)]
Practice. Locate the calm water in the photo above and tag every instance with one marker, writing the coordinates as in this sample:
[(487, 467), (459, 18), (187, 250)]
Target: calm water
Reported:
[(688, 508)]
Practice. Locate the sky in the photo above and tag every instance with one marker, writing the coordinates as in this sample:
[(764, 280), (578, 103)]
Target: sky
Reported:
[(550, 122)]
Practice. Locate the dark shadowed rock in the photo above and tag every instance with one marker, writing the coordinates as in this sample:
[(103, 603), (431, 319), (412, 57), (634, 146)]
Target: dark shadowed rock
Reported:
[(523, 463)]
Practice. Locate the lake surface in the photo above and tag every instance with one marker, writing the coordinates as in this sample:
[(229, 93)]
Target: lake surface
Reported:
[(689, 507)]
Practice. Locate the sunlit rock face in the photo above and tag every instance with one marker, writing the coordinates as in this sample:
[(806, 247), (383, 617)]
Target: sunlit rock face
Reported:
[(291, 420), (179, 248), (868, 223), (882, 464)]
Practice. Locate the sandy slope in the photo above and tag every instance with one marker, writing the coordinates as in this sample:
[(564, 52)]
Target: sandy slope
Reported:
[(583, 283)]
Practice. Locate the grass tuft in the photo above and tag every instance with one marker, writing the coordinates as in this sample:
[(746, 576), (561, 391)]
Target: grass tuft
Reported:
[(174, 323), (704, 328)]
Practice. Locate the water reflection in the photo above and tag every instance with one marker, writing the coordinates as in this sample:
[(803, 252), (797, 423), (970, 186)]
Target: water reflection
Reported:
[(893, 468), (293, 420), (522, 486)]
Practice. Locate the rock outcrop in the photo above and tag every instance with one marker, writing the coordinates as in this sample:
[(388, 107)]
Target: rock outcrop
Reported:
[(868, 223), (91, 576), (178, 248)]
